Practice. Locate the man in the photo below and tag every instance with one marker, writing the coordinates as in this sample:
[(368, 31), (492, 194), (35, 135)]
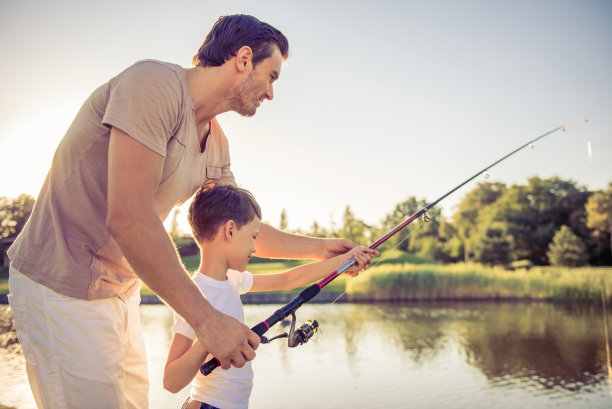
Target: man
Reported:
[(141, 144)]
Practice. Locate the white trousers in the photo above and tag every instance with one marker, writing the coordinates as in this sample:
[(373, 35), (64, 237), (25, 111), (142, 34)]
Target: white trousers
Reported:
[(80, 353)]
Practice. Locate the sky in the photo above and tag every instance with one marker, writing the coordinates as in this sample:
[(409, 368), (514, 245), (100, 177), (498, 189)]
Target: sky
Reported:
[(378, 101)]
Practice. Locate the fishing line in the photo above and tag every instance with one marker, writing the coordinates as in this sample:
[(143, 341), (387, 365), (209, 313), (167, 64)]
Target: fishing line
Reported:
[(605, 318), (389, 252)]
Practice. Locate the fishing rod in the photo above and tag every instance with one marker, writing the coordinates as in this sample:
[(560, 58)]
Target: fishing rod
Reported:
[(306, 331)]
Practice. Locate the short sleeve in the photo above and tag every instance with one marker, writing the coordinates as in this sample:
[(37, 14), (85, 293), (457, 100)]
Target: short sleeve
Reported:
[(145, 101), (227, 177), (243, 281), (181, 327), (218, 167)]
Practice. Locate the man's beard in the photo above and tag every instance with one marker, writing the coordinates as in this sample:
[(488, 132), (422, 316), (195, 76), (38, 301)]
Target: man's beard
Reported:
[(238, 97)]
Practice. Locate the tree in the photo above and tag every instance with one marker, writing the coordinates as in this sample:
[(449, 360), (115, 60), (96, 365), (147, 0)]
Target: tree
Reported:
[(14, 213), (426, 241), (567, 249), (495, 245), (318, 231), (175, 231), (401, 212), (452, 246), (546, 206), (599, 218), (465, 218), (283, 224), (352, 228), (184, 243), (533, 213)]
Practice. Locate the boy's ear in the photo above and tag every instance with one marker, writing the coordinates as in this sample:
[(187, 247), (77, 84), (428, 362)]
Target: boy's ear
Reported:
[(228, 229)]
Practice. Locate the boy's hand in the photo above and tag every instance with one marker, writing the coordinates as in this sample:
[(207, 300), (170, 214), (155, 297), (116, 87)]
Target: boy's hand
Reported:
[(228, 340), (363, 258)]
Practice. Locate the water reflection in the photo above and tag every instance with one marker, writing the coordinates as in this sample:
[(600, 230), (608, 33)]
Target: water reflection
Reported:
[(540, 345), (419, 355)]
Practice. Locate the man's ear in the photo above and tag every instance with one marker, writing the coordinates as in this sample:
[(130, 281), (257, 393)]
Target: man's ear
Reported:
[(244, 58), (229, 227)]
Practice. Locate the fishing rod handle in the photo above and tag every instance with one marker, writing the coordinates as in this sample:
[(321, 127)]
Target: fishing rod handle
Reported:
[(211, 365), (306, 295)]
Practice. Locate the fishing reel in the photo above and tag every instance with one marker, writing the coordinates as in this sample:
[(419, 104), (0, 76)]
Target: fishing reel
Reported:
[(296, 337)]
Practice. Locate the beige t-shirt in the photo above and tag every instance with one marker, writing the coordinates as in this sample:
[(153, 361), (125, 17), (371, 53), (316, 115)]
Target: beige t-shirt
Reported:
[(65, 244)]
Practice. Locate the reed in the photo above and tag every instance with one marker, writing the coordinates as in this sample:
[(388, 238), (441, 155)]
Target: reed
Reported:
[(403, 277), (403, 282)]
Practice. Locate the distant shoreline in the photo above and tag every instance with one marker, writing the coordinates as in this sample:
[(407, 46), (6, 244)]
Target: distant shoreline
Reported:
[(260, 298), (337, 297)]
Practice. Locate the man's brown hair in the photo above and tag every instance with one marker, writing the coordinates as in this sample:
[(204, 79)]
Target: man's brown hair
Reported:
[(230, 33), (213, 205)]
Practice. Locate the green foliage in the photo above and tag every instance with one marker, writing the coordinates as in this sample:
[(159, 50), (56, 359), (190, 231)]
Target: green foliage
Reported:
[(495, 224), (567, 249), (396, 256), (465, 218), (599, 210), (175, 231), (192, 262), (471, 281), (494, 247), (352, 228), (401, 212), (599, 218), (520, 264), (543, 209), (530, 215), (283, 224), (14, 213), (318, 231)]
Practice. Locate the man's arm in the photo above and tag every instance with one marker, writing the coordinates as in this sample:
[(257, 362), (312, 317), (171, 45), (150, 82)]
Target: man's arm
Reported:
[(134, 172), (301, 275), (274, 243)]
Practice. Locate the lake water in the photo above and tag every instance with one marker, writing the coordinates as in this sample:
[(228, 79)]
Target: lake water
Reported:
[(441, 355)]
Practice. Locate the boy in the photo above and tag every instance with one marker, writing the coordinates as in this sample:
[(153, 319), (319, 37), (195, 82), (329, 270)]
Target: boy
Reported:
[(225, 222)]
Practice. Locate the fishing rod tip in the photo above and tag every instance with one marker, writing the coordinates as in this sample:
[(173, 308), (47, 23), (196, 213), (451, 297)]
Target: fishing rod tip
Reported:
[(564, 127)]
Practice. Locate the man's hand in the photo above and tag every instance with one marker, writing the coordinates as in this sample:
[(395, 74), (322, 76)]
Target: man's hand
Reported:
[(335, 247), (228, 340)]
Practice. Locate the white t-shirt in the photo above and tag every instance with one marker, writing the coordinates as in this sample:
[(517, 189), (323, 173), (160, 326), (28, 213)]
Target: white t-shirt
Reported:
[(227, 389)]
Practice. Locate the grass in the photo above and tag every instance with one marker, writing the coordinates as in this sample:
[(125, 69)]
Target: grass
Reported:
[(193, 262), (401, 276), (4, 282), (401, 281)]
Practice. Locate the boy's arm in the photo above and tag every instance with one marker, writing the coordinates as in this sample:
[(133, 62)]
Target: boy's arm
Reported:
[(301, 275), (274, 243), (184, 361)]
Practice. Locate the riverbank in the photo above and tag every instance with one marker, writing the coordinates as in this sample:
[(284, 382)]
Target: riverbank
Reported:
[(475, 282), (399, 277)]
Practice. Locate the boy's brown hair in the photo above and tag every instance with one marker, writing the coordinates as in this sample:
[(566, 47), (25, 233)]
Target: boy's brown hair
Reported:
[(213, 205)]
